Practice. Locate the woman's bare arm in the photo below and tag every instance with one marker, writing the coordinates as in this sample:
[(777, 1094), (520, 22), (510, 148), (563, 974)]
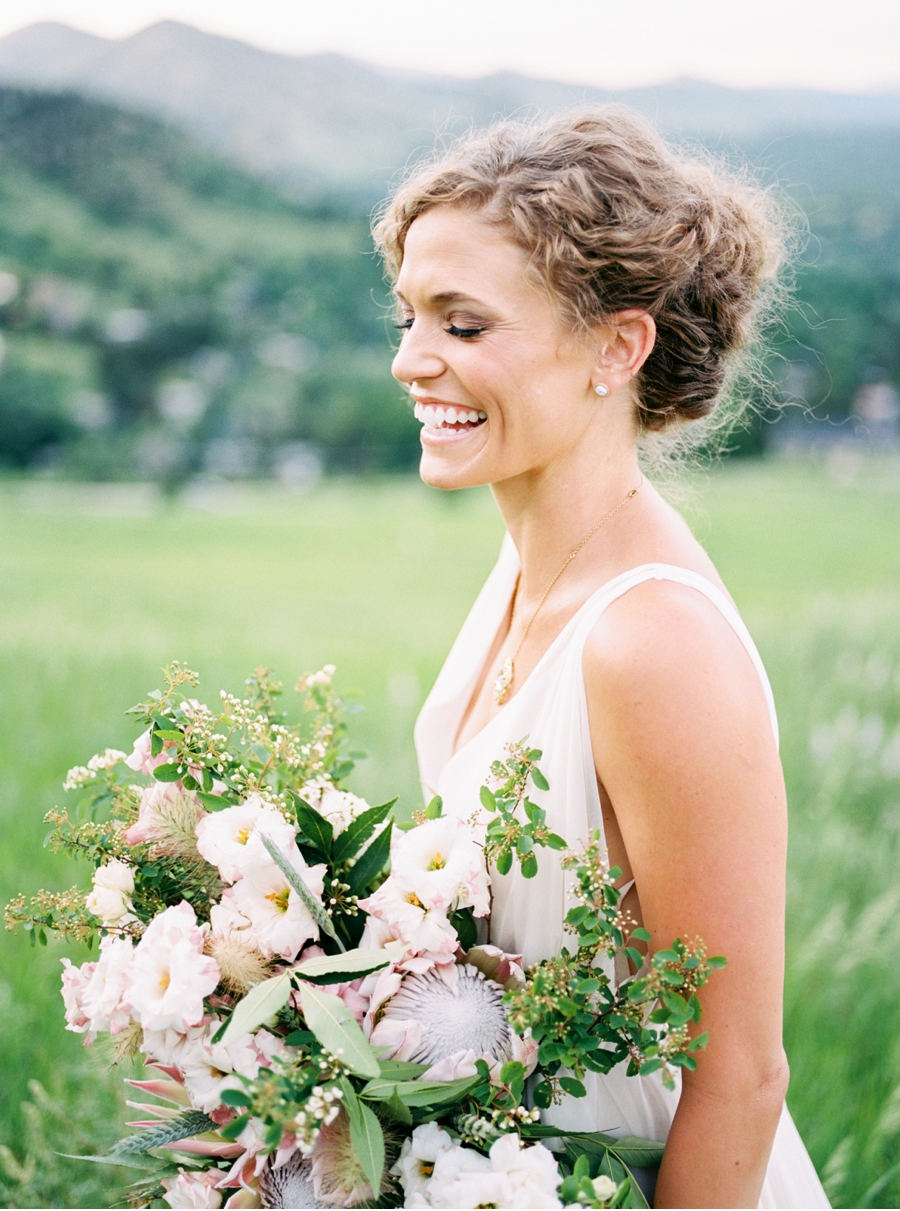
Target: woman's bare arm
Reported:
[(683, 746)]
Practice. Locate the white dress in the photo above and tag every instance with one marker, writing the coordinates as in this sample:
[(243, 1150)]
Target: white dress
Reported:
[(550, 709)]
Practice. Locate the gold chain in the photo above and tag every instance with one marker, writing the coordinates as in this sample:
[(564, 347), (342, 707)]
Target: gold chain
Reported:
[(507, 672)]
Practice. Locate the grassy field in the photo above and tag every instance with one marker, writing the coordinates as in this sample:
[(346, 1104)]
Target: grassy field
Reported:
[(98, 589)]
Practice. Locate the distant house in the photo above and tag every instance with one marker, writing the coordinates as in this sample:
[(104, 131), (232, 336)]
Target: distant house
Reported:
[(872, 426)]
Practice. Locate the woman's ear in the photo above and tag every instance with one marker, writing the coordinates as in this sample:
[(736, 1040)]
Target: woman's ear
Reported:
[(623, 345)]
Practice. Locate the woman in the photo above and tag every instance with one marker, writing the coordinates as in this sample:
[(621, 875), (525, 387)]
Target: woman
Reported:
[(566, 290)]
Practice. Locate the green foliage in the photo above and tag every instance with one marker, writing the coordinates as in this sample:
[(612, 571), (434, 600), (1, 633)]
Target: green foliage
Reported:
[(262, 305), (508, 835)]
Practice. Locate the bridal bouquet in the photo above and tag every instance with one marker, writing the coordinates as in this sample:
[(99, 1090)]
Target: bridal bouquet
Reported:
[(305, 979)]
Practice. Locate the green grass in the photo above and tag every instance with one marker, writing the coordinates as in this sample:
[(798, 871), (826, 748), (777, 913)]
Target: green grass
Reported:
[(376, 578)]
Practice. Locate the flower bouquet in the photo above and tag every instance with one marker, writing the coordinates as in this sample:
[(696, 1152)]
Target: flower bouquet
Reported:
[(307, 982)]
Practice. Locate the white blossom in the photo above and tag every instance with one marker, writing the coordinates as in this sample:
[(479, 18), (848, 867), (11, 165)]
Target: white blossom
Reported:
[(279, 921), (416, 1161), (193, 1188), (229, 839), (94, 993), (511, 1176), (339, 808), (111, 898), (169, 975)]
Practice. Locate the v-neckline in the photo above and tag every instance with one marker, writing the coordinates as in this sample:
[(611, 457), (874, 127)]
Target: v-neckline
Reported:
[(547, 652)]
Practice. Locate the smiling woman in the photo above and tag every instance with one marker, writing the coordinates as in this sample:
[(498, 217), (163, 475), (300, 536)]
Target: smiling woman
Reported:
[(564, 291)]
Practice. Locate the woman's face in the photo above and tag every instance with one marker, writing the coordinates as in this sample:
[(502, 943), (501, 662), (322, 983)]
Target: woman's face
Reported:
[(483, 342)]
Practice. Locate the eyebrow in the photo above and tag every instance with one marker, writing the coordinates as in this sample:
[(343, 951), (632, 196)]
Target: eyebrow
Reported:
[(445, 296)]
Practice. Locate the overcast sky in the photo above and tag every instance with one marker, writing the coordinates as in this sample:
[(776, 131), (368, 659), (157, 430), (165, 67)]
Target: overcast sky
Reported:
[(810, 43)]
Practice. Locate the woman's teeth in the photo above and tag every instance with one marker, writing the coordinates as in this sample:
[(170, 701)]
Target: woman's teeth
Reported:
[(434, 416)]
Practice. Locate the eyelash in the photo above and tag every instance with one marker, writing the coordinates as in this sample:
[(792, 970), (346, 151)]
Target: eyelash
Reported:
[(462, 333)]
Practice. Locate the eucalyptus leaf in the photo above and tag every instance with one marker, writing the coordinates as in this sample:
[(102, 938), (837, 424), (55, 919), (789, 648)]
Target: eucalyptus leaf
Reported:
[(345, 966), (366, 1137), (336, 1029), (313, 906), (420, 1093), (261, 1002)]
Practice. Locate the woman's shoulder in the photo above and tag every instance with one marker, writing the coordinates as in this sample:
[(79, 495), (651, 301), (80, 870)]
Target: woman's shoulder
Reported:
[(670, 655)]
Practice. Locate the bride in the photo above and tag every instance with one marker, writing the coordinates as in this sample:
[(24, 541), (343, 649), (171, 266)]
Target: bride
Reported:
[(567, 291)]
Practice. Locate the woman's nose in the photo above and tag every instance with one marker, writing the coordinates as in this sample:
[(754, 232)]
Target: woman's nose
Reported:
[(414, 360)]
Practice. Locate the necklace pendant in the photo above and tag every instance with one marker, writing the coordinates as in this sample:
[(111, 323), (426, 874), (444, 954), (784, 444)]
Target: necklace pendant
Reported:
[(503, 681)]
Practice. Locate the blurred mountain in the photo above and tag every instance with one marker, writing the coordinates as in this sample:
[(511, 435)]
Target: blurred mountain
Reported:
[(326, 122), (164, 312)]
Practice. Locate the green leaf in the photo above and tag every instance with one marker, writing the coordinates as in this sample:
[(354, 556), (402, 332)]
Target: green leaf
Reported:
[(401, 1070), (366, 1137), (371, 862), (336, 1029), (555, 841), (420, 1093), (435, 808), (313, 825), (572, 1087), (488, 799), (398, 1110), (539, 780), (313, 906), (641, 934), (677, 1004), (633, 1150), (667, 956), (235, 1097), (463, 921), (344, 967), (529, 866), (261, 1002), (717, 961), (213, 803), (169, 734), (351, 841), (168, 773), (543, 1095), (504, 862), (524, 844)]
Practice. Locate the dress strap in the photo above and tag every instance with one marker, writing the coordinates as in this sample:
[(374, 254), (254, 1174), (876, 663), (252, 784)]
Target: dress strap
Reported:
[(616, 588)]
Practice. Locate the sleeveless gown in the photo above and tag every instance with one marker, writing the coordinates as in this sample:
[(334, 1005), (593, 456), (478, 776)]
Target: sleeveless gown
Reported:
[(550, 708)]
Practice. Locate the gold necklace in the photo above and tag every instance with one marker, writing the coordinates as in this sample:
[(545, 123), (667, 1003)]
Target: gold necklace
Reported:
[(507, 671)]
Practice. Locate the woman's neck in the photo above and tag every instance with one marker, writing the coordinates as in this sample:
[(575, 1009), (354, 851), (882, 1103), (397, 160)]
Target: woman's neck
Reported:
[(549, 511)]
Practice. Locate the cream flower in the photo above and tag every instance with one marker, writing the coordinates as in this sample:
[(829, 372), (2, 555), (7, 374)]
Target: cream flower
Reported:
[(193, 1189), (279, 922), (416, 1161), (228, 839), (93, 994), (512, 1176), (339, 808), (169, 975), (442, 863), (409, 921), (211, 1068), (139, 759), (110, 900)]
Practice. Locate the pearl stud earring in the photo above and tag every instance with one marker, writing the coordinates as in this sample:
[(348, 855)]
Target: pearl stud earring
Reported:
[(601, 389)]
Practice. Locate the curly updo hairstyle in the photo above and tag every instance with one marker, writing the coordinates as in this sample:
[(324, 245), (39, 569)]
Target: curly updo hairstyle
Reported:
[(612, 218)]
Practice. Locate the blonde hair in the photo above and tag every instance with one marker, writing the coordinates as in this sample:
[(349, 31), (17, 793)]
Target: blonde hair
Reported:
[(612, 218)]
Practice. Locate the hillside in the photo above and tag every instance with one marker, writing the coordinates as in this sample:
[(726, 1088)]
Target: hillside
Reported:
[(163, 311), (325, 122)]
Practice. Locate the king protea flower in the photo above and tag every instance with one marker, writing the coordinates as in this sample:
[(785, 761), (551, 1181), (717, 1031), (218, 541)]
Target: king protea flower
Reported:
[(440, 1013)]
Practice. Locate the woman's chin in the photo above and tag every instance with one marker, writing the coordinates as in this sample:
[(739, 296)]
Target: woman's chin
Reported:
[(451, 464)]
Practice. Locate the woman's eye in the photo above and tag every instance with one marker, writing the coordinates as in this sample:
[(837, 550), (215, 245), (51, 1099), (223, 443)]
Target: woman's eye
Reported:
[(405, 324), (465, 333)]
